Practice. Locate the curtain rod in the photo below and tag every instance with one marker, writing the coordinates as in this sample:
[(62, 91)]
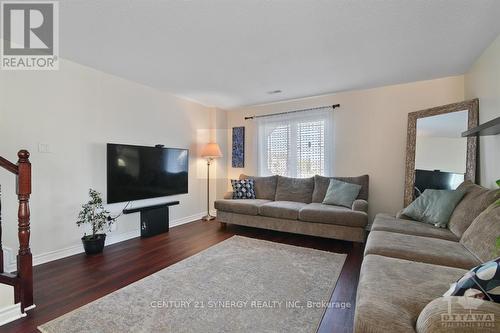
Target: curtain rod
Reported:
[(334, 106)]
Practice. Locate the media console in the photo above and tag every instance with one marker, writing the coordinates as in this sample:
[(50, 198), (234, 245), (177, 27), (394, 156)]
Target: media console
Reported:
[(154, 219)]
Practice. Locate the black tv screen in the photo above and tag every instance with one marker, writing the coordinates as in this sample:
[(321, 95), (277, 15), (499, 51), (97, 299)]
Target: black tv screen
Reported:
[(137, 172), (437, 180)]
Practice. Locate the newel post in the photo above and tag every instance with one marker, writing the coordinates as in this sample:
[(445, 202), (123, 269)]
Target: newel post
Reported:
[(24, 257), (1, 250)]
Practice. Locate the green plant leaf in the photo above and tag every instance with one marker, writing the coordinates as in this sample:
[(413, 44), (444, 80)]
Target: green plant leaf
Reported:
[(498, 183), (93, 213)]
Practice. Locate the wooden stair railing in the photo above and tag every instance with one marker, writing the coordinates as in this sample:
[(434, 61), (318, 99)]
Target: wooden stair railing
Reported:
[(22, 281)]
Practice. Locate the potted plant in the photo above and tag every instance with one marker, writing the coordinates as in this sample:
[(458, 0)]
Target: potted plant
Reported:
[(498, 183), (93, 213)]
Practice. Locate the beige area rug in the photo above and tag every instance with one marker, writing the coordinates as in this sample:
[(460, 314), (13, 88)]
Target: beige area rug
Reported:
[(239, 285)]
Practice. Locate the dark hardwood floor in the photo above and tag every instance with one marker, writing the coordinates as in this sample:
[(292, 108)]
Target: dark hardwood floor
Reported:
[(66, 284)]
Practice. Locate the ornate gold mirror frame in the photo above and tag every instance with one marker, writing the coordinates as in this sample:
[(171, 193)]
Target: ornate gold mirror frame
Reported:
[(472, 106)]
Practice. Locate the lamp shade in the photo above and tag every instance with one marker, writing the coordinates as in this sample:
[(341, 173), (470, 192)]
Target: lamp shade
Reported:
[(211, 150)]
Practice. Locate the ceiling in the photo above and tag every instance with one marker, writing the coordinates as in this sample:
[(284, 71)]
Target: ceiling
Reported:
[(230, 53), (448, 125)]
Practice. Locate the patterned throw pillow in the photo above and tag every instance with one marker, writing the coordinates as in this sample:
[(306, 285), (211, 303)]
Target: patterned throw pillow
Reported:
[(481, 282), (243, 188)]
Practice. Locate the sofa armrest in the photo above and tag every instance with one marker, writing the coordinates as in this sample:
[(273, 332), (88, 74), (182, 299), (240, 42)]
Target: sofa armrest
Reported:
[(360, 205), (228, 195), (452, 314)]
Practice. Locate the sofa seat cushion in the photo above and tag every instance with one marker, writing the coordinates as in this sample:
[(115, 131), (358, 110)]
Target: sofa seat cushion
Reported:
[(422, 249), (241, 206), (282, 209), (392, 292), (385, 222), (320, 213)]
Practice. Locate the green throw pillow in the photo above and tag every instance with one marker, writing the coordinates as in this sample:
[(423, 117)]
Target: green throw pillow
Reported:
[(340, 193), (434, 206)]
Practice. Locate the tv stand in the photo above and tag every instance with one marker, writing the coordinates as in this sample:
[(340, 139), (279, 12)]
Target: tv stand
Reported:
[(154, 219)]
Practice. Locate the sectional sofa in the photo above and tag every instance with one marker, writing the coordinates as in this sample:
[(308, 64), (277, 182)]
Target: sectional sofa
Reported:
[(409, 265), (295, 205)]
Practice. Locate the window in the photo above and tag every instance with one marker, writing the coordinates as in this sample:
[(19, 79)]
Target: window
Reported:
[(296, 144)]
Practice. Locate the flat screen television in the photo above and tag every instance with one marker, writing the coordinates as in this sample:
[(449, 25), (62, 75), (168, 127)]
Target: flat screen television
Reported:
[(437, 180), (138, 172)]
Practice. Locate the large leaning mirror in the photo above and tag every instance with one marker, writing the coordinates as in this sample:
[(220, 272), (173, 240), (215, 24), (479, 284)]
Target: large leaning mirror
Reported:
[(437, 156)]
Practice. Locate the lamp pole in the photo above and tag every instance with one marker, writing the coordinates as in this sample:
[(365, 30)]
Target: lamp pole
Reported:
[(208, 217), (210, 151)]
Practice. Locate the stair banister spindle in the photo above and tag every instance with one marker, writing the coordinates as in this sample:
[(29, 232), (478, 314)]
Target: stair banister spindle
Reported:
[(24, 257), (1, 249), (23, 280)]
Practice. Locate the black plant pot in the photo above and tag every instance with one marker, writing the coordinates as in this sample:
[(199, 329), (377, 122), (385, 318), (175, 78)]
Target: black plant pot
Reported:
[(94, 244)]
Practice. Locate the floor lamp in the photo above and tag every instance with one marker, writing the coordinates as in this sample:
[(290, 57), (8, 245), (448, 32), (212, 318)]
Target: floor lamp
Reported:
[(210, 152)]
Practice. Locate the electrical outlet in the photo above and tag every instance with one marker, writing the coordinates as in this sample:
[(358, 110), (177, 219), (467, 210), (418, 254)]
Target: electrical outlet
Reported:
[(44, 148)]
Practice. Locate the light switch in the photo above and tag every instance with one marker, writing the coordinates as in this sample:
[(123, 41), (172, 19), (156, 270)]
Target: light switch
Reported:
[(43, 148)]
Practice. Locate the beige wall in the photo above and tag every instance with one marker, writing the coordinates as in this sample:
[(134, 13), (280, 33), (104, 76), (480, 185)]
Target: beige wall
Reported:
[(483, 81), (77, 110), (369, 131)]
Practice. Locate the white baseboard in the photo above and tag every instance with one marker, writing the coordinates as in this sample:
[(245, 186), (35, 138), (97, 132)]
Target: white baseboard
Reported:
[(10, 313), (76, 249), (187, 219), (111, 239), (29, 308)]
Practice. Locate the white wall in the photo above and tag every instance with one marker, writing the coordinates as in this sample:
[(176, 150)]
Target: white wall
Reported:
[(438, 153), (77, 110), (483, 81), (370, 132)]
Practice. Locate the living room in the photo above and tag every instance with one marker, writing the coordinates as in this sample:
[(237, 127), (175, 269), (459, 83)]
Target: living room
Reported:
[(252, 107)]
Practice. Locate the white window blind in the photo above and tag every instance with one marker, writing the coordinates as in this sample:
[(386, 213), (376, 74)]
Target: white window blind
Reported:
[(296, 145)]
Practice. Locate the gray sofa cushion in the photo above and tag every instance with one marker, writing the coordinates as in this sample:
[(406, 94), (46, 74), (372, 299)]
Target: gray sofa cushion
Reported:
[(434, 206), (321, 185), (241, 206), (392, 293), (294, 189), (480, 237), (282, 209), (320, 213), (422, 249), (340, 193), (265, 187), (475, 201), (385, 222)]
